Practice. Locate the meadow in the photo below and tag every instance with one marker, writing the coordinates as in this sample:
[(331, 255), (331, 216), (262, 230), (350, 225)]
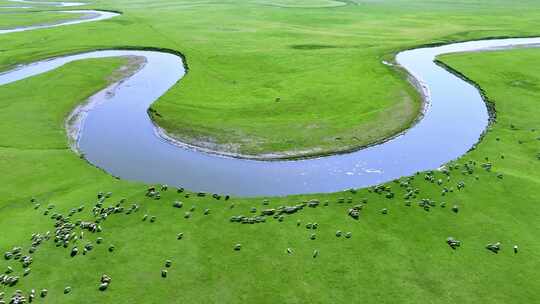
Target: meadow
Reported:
[(324, 62)]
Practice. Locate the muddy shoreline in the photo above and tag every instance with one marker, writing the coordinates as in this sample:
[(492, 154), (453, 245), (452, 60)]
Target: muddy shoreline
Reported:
[(74, 122)]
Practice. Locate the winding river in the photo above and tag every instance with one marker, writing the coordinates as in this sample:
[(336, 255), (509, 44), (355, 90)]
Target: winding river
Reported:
[(50, 3), (115, 132), (87, 16)]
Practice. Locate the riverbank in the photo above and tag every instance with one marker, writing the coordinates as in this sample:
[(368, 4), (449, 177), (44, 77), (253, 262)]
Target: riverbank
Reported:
[(75, 120)]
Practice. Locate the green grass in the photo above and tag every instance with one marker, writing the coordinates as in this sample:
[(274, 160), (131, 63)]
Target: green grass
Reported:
[(303, 4), (16, 19), (399, 257), (323, 63)]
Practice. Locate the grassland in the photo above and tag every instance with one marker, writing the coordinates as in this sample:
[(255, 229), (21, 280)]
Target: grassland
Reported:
[(304, 3), (398, 257)]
